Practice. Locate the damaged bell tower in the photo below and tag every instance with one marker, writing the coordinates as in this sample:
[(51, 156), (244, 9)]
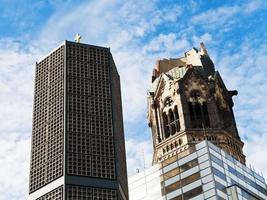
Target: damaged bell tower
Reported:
[(189, 102)]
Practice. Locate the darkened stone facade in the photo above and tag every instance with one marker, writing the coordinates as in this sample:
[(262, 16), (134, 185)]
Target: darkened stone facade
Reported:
[(78, 95), (188, 102)]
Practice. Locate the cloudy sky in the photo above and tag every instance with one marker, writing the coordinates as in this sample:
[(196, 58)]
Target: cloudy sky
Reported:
[(138, 32)]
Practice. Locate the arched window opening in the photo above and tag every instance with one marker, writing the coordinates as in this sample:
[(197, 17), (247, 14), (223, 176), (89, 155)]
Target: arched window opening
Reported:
[(171, 116), (205, 114), (167, 148), (175, 144), (176, 118), (180, 141), (171, 123), (198, 111), (165, 125), (157, 124)]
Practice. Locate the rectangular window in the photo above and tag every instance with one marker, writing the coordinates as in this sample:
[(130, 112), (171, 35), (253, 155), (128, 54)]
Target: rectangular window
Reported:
[(247, 195), (180, 197), (219, 173), (190, 179), (220, 187), (168, 161), (181, 183), (193, 193), (170, 174), (180, 169), (216, 160), (172, 187), (188, 165)]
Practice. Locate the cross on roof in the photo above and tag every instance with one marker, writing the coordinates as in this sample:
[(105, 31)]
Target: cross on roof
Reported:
[(77, 38)]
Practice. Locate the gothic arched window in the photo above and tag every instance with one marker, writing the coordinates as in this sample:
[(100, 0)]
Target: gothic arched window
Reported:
[(171, 122), (165, 125), (198, 111), (177, 121)]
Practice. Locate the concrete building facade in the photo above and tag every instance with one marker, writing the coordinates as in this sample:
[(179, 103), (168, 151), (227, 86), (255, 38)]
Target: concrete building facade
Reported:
[(78, 148)]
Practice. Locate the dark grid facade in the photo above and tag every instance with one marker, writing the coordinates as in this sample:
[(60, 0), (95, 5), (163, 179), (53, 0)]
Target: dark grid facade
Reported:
[(84, 193), (78, 125), (48, 121), (90, 146), (55, 194)]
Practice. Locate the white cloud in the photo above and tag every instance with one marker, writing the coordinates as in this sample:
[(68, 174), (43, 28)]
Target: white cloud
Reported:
[(167, 43), (130, 29), (223, 18), (253, 6), (16, 86), (206, 38), (139, 155), (102, 22), (118, 25), (14, 168), (16, 92), (255, 152), (220, 15)]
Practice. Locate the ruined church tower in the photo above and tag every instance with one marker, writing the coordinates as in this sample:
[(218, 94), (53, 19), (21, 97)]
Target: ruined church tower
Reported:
[(189, 102)]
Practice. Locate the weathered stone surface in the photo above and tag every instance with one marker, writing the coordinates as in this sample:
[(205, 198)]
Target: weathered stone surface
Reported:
[(189, 102)]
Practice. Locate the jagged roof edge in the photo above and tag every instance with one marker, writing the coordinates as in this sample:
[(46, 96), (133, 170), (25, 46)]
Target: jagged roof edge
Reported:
[(175, 73)]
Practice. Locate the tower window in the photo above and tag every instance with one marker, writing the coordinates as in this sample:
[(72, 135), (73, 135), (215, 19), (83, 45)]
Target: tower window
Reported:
[(165, 125), (177, 121), (198, 111), (171, 122)]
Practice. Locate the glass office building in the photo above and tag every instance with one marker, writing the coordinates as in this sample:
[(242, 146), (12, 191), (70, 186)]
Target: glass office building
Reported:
[(203, 171)]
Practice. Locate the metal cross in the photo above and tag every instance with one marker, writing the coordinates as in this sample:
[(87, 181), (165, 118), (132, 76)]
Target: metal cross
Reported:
[(77, 38)]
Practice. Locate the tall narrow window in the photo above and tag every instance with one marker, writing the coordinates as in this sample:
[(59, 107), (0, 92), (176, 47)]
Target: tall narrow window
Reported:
[(165, 125), (157, 124), (171, 123), (170, 117), (205, 114), (176, 118), (198, 111)]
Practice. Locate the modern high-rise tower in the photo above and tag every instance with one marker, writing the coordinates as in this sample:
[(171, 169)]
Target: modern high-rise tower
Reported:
[(78, 148)]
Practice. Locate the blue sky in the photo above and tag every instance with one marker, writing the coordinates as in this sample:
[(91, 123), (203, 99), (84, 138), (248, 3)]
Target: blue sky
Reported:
[(138, 33)]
